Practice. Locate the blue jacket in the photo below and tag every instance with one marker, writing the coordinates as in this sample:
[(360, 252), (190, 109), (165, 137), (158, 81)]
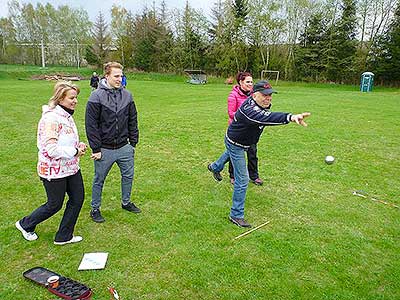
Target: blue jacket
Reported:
[(111, 118), (249, 122)]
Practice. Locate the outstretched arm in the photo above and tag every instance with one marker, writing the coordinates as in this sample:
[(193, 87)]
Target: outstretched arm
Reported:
[(299, 118)]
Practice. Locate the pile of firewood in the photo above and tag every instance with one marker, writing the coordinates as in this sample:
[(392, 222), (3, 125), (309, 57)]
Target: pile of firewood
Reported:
[(56, 77)]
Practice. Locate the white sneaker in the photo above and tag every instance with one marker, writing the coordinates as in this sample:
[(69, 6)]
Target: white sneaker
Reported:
[(75, 239), (29, 236)]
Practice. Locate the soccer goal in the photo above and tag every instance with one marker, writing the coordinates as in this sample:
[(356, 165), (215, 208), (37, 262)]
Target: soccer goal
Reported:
[(270, 75)]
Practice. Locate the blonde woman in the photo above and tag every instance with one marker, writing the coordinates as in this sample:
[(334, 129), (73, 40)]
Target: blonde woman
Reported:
[(58, 166)]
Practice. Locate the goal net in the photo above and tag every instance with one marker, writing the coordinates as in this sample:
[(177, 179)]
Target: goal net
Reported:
[(270, 75)]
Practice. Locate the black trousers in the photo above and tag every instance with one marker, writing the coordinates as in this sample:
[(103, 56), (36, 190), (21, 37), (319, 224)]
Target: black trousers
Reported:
[(252, 163), (56, 190)]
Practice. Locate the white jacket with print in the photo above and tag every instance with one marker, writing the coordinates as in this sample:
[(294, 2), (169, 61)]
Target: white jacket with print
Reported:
[(57, 141)]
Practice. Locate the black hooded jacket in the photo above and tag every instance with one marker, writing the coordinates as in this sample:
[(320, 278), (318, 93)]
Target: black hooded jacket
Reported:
[(111, 118), (249, 122)]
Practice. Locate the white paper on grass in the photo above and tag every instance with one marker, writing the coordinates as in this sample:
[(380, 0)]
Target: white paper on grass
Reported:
[(93, 261)]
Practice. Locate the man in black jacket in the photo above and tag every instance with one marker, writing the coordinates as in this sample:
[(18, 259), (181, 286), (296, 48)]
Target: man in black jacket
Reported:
[(112, 132), (94, 81), (245, 130)]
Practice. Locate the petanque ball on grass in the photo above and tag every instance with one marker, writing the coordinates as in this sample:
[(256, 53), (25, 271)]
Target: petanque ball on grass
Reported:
[(329, 159)]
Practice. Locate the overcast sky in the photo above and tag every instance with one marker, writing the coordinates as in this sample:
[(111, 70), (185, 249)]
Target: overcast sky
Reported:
[(93, 7)]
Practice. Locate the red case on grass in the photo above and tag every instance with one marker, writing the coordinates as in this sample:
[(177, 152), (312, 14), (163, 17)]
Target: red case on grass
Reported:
[(67, 289)]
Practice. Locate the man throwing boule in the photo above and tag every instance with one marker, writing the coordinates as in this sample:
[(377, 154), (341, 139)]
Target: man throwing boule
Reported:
[(245, 130)]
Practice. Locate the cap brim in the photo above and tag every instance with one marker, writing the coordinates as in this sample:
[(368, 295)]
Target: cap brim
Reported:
[(268, 91)]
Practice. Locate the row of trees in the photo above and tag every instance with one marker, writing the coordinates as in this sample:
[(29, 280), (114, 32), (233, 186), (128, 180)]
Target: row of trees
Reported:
[(61, 30), (312, 40)]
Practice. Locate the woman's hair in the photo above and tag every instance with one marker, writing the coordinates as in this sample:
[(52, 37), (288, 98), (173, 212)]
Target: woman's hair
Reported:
[(60, 91), (242, 75), (108, 66)]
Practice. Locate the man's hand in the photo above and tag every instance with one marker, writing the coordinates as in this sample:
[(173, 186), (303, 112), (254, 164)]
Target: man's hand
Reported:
[(299, 118), (96, 156)]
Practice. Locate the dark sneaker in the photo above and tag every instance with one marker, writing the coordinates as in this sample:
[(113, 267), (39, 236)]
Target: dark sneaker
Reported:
[(257, 181), (239, 222), (96, 216), (217, 175), (131, 207)]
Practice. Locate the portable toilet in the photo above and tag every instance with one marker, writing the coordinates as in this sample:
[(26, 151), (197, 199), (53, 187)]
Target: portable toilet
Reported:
[(367, 81)]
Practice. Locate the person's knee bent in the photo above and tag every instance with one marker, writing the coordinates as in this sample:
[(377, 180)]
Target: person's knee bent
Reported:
[(128, 173), (99, 179), (127, 177), (242, 181), (77, 202), (54, 207)]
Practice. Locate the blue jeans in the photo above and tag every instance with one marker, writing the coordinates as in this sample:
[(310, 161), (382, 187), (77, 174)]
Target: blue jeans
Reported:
[(237, 156), (252, 163), (124, 157)]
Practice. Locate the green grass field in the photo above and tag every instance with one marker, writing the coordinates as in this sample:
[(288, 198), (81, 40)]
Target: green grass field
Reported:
[(322, 242)]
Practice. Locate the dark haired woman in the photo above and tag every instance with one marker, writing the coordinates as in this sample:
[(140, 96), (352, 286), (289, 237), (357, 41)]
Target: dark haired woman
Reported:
[(238, 95)]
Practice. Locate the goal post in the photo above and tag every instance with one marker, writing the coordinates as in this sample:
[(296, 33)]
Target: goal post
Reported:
[(270, 75)]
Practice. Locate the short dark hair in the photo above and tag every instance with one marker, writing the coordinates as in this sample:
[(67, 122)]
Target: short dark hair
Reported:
[(242, 75)]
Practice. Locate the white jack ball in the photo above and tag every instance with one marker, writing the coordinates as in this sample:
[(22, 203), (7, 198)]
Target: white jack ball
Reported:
[(329, 159)]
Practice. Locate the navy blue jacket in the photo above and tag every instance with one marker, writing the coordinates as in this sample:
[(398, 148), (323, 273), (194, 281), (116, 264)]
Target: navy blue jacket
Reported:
[(111, 118), (249, 122)]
